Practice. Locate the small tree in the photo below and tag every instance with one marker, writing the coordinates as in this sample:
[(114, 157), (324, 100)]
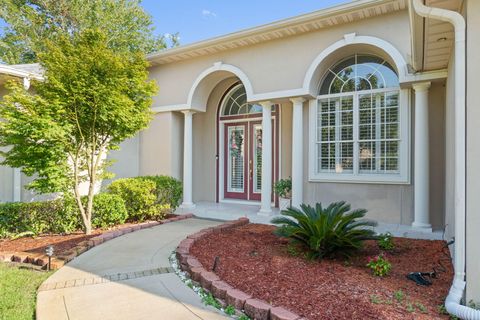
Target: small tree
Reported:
[(93, 98)]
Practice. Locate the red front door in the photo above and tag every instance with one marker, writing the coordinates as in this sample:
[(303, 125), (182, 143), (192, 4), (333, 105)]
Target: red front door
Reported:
[(243, 160)]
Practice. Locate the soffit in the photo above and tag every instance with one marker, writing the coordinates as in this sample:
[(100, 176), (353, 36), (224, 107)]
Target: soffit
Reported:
[(347, 13), (439, 36)]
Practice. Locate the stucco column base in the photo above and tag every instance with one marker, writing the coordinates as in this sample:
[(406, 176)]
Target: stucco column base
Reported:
[(265, 213), (424, 227), (187, 205)]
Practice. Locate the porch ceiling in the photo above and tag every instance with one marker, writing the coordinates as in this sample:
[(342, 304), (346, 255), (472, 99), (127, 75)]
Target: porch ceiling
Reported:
[(433, 39), (346, 13)]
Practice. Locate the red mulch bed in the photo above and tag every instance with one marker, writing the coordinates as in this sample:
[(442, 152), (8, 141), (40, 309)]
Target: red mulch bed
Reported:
[(257, 262), (60, 242)]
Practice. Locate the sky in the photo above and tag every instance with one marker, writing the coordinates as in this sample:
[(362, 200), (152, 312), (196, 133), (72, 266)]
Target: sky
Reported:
[(197, 20)]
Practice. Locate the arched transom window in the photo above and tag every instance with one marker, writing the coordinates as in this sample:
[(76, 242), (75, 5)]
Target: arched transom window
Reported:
[(235, 103), (360, 131)]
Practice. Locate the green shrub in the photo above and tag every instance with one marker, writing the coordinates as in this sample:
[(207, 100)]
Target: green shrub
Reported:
[(108, 210), (168, 190), (325, 231), (54, 216), (385, 241), (283, 187), (140, 198), (380, 266)]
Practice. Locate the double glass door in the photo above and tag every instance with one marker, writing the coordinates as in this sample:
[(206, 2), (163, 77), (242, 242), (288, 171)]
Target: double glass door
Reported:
[(243, 160)]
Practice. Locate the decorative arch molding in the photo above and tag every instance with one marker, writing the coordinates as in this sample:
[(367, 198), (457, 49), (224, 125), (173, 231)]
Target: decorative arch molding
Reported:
[(209, 78), (314, 72)]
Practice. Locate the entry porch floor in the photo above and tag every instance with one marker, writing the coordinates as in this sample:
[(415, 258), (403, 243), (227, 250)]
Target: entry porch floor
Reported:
[(224, 211)]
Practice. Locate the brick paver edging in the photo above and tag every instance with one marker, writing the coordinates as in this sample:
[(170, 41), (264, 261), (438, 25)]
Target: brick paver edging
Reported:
[(59, 261), (254, 308)]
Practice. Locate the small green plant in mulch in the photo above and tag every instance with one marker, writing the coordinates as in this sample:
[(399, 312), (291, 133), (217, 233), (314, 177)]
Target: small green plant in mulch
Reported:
[(243, 317), (375, 299), (379, 265), (409, 307), (443, 311), (399, 295), (421, 307), (292, 249), (385, 241), (230, 310)]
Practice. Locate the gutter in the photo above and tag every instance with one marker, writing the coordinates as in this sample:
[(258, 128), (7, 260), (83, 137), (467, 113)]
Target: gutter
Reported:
[(455, 295)]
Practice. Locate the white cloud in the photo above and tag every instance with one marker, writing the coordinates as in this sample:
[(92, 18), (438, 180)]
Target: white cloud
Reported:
[(208, 13)]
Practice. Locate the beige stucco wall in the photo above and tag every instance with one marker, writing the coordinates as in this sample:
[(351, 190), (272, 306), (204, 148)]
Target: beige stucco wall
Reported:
[(286, 140), (6, 173), (126, 162), (473, 152), (437, 154), (279, 64), (450, 151), (161, 146), (6, 183)]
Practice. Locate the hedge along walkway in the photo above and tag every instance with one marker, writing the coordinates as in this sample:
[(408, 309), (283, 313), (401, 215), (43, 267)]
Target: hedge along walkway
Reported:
[(128, 277)]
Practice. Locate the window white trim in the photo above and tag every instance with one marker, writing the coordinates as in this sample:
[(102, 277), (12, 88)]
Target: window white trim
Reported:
[(403, 177)]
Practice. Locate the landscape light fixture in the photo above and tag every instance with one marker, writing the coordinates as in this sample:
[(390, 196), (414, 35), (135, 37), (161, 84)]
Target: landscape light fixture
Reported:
[(49, 253)]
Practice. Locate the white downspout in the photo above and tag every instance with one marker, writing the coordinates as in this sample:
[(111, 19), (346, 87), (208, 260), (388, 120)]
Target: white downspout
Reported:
[(452, 302)]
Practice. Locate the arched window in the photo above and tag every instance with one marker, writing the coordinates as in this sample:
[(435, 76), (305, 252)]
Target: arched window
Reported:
[(235, 103), (359, 73), (359, 130)]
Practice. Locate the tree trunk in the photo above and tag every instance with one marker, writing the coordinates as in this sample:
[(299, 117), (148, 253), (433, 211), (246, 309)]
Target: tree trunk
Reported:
[(86, 218)]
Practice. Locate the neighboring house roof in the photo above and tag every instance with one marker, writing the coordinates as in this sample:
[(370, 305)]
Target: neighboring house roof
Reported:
[(325, 18), (31, 71)]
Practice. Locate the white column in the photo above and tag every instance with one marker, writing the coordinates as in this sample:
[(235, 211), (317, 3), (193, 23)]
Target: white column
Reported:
[(188, 161), (422, 176), (297, 152), (17, 187), (266, 208)]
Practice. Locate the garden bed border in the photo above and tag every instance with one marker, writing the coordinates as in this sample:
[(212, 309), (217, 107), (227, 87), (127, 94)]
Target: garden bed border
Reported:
[(59, 261), (254, 308)]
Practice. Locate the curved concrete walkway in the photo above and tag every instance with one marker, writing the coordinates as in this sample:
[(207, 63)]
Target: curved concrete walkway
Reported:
[(126, 278)]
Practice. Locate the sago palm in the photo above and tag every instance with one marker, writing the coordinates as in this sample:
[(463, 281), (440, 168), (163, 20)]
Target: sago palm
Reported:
[(326, 231)]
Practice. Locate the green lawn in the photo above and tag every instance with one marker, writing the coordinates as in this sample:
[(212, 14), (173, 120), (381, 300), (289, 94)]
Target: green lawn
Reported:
[(18, 290)]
